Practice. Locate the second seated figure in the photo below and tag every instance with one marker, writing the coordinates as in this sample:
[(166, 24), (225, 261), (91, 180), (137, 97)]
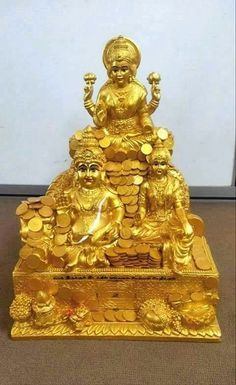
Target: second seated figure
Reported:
[(163, 204)]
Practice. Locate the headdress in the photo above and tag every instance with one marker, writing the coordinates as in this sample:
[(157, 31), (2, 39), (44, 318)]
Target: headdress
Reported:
[(121, 48), (159, 152), (84, 148)]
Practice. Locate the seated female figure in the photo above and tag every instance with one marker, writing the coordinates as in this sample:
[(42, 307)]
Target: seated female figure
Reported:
[(121, 105), (162, 210)]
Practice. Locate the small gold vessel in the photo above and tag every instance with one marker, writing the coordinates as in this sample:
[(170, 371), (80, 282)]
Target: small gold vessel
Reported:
[(113, 250)]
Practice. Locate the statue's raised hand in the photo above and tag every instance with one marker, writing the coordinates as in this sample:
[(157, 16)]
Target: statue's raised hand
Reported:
[(88, 89)]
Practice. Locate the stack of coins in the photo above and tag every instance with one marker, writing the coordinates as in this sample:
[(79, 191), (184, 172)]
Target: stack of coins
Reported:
[(199, 255), (114, 316), (126, 178), (35, 214), (130, 255), (61, 235)]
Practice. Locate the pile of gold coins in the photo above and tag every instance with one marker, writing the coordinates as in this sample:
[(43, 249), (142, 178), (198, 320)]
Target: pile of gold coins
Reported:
[(140, 255), (36, 215), (199, 255), (114, 316)]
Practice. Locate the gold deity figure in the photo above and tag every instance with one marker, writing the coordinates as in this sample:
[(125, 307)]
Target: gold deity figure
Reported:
[(94, 208), (121, 105), (163, 204)]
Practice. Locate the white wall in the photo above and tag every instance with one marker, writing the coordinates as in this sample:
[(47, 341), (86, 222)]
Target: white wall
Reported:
[(46, 47)]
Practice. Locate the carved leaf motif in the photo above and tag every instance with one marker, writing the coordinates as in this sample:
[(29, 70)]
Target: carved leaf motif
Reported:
[(98, 329), (193, 332), (114, 329), (133, 329), (167, 331), (141, 330), (124, 329), (209, 332)]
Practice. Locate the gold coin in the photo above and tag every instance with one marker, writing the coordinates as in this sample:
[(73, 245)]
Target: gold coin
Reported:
[(109, 153), (25, 251), (123, 190), (135, 190), (115, 180), (197, 296), (162, 133), (105, 142), (123, 181), (141, 157), (35, 224), (142, 248), (35, 235), (127, 222), (120, 155), (119, 250), (117, 166), (35, 205), (34, 199), (134, 200), (127, 165), (131, 209), (131, 252), (98, 133), (62, 230), (22, 209), (143, 166), (202, 264), (39, 252), (119, 316), (110, 315), (129, 180), (138, 179), (78, 135), (46, 211), (110, 252), (48, 200), (135, 165), (59, 251), (132, 154), (32, 242), (126, 199), (98, 316), (63, 220), (109, 166), (60, 239), (155, 255), (74, 144), (129, 315), (125, 243), (35, 263), (146, 149), (125, 233)]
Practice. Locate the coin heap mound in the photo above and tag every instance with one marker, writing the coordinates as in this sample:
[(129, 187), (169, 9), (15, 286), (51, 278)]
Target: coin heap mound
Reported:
[(36, 216)]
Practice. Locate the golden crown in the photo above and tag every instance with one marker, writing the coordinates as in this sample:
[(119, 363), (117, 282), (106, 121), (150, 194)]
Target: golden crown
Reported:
[(121, 48), (84, 148)]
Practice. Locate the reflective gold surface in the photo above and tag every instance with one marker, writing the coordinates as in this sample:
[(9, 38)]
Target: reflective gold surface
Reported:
[(113, 250)]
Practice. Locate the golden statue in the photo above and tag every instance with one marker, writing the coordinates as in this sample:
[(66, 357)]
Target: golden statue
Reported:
[(112, 249), (121, 107), (163, 207)]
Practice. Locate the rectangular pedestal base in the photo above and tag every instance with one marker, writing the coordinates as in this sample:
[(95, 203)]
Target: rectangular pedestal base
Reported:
[(118, 303)]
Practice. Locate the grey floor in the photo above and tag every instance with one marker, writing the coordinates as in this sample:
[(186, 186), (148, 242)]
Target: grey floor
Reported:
[(93, 362)]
